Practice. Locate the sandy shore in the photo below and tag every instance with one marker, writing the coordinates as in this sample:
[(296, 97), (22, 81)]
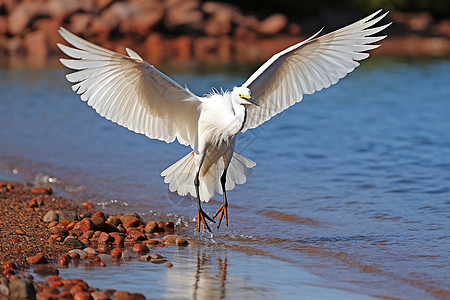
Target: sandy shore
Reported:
[(43, 233)]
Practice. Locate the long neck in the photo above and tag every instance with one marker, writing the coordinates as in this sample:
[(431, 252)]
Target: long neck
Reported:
[(239, 120)]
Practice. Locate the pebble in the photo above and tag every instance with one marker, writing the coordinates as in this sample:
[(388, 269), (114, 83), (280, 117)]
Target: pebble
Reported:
[(33, 203), (136, 234), (140, 248), (20, 232), (39, 190), (81, 253), (133, 222), (97, 295), (106, 258), (50, 216), (105, 238), (46, 270), (90, 250), (116, 253), (71, 225), (99, 214), (151, 227), (22, 289), (87, 204), (99, 223), (169, 265), (126, 217), (175, 240), (111, 228), (67, 215), (118, 238), (64, 260), (129, 255), (114, 220), (84, 225), (74, 242), (39, 258)]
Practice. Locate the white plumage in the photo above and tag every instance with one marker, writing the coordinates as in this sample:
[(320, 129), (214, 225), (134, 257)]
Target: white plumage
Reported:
[(131, 92)]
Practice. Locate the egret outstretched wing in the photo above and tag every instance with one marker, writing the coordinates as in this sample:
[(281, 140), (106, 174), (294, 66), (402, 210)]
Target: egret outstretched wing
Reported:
[(131, 92), (309, 66)]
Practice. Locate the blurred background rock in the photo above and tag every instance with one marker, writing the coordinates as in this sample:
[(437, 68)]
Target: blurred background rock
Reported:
[(183, 30)]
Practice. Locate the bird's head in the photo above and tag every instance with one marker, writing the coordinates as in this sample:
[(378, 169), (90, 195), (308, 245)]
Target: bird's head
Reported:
[(243, 95)]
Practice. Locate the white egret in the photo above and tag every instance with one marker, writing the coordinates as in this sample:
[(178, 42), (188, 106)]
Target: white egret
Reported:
[(131, 92)]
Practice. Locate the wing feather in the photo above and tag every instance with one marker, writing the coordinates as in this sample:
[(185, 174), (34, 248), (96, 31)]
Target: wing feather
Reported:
[(309, 66), (131, 92)]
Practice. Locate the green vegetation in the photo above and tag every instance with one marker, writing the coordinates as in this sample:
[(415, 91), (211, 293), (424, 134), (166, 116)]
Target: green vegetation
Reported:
[(438, 8)]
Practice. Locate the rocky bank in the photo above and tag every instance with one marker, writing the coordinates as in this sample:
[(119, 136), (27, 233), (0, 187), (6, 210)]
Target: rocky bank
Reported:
[(183, 30), (43, 232)]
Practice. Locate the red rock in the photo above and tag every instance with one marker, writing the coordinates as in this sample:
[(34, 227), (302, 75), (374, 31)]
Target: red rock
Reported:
[(110, 227), (81, 296), (137, 296), (20, 232), (97, 295), (65, 295), (116, 252), (52, 224), (59, 230), (39, 190), (140, 248), (175, 240), (134, 222), (99, 223), (54, 278), (86, 204), (121, 295), (105, 238), (33, 203), (87, 235), (64, 223), (273, 24), (74, 255), (151, 227), (118, 238), (137, 235), (2, 184), (9, 265), (84, 225), (15, 240), (169, 265), (113, 220), (102, 248), (39, 258), (103, 265), (71, 225), (99, 214), (63, 260)]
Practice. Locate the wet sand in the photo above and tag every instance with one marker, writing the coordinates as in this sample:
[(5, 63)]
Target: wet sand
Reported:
[(42, 233)]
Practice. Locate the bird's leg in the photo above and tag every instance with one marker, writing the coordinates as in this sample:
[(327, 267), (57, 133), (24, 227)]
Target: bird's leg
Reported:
[(201, 214), (224, 208)]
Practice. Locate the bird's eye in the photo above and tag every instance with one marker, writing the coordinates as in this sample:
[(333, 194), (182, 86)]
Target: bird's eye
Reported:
[(240, 95)]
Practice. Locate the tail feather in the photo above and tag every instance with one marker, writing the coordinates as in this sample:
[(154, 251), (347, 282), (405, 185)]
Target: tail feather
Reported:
[(180, 176)]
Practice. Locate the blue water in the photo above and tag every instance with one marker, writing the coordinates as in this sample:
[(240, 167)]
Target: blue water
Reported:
[(349, 199)]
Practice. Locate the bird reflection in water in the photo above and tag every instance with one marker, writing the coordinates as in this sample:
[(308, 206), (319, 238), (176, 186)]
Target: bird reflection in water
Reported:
[(203, 271)]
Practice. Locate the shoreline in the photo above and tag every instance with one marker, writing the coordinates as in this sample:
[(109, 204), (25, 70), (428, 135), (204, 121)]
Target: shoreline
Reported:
[(42, 233)]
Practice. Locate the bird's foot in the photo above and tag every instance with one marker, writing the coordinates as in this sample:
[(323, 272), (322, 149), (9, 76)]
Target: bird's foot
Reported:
[(223, 212), (201, 219)]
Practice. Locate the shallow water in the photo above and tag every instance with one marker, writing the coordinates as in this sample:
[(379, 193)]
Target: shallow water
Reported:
[(349, 198)]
